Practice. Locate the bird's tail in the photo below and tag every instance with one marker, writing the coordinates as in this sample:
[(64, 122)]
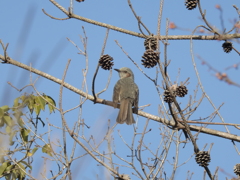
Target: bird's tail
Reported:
[(125, 113)]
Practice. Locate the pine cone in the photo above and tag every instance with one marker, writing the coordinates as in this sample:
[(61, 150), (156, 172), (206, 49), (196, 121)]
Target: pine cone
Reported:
[(236, 169), (150, 43), (105, 62), (167, 96), (203, 158), (191, 4), (150, 58), (227, 46), (181, 91)]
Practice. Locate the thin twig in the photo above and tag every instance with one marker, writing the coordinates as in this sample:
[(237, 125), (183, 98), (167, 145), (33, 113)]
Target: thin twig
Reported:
[(54, 17), (200, 83), (63, 124), (108, 82), (159, 37), (205, 20), (5, 51), (139, 149), (95, 74), (133, 61), (138, 19)]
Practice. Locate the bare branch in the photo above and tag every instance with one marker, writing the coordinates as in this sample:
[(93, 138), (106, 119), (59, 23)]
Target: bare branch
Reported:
[(95, 74), (54, 17)]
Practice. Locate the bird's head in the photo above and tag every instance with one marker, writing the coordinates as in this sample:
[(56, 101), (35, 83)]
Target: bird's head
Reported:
[(125, 72)]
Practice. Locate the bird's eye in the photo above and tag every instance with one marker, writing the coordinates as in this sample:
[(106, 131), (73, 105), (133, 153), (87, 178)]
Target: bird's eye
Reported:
[(125, 71)]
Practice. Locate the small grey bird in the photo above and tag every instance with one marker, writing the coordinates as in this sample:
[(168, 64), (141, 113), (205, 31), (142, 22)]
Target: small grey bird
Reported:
[(127, 94)]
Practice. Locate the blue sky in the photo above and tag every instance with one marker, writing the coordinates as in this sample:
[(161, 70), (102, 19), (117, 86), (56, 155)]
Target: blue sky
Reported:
[(37, 39)]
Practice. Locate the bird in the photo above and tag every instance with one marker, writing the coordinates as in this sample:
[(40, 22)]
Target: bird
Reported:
[(126, 93)]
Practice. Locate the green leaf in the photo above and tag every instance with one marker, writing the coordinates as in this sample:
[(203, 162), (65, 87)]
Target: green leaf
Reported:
[(10, 167), (34, 150), (16, 102), (8, 120), (30, 103), (1, 122), (20, 122), (15, 174), (11, 136), (8, 177), (8, 170), (25, 100), (24, 134), (5, 108), (47, 149), (17, 114), (25, 163), (22, 173), (1, 112), (51, 108), (50, 99), (51, 103), (37, 109), (3, 167), (41, 101), (8, 129)]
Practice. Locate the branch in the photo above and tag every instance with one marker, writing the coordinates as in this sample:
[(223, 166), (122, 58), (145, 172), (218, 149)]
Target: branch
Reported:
[(54, 17), (110, 103), (95, 74), (138, 19), (63, 129), (115, 28)]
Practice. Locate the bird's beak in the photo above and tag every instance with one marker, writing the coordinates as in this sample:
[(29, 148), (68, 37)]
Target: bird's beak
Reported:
[(117, 70)]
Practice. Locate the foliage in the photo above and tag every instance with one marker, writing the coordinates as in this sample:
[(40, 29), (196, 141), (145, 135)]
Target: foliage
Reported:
[(21, 137)]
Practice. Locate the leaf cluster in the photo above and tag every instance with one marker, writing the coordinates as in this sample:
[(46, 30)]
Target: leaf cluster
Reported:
[(13, 126)]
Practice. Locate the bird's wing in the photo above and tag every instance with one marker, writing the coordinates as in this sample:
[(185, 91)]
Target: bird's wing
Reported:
[(116, 91), (135, 103)]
